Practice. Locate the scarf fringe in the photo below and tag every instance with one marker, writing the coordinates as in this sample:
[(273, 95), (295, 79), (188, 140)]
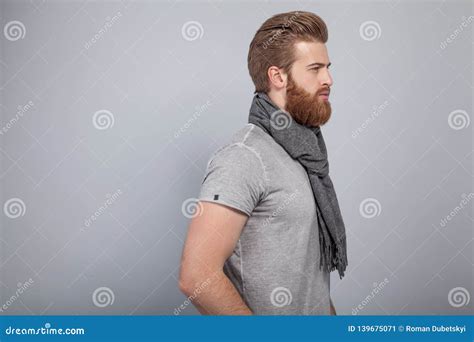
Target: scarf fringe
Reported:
[(333, 256)]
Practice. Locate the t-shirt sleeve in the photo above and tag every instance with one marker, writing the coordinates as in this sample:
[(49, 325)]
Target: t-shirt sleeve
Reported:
[(234, 177)]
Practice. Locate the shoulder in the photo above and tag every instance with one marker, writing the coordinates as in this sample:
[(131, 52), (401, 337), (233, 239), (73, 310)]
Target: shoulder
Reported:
[(244, 151), (236, 175)]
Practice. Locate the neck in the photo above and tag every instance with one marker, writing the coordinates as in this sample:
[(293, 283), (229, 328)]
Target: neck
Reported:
[(277, 98)]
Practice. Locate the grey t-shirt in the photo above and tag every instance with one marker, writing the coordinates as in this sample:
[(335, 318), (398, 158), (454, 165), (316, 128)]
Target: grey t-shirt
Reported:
[(275, 264)]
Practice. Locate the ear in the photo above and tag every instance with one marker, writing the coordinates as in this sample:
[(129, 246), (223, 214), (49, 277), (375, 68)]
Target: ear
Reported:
[(277, 77)]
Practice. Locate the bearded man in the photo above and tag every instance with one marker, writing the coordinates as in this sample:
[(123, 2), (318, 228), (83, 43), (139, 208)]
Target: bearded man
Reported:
[(269, 229)]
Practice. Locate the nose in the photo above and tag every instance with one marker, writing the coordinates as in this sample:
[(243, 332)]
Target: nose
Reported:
[(327, 79)]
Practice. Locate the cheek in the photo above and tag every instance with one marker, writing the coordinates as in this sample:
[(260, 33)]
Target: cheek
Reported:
[(311, 83)]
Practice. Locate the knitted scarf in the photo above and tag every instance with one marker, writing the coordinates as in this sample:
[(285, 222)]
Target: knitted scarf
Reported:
[(306, 145)]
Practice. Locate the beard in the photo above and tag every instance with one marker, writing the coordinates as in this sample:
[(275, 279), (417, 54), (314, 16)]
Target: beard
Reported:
[(305, 108)]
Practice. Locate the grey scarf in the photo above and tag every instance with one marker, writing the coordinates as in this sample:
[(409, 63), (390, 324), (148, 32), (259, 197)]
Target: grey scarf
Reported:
[(306, 144)]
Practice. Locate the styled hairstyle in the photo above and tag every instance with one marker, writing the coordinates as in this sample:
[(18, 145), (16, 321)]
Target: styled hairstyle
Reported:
[(273, 43)]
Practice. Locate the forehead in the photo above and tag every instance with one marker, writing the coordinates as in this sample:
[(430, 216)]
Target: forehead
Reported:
[(310, 52)]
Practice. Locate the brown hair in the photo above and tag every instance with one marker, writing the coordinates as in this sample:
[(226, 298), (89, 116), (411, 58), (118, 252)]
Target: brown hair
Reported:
[(273, 43)]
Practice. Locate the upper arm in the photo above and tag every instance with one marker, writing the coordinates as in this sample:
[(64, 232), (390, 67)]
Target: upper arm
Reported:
[(233, 185), (211, 238)]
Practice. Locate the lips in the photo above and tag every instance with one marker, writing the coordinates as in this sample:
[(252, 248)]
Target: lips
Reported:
[(324, 95)]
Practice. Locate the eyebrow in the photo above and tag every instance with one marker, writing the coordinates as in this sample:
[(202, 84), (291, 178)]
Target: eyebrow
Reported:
[(318, 64)]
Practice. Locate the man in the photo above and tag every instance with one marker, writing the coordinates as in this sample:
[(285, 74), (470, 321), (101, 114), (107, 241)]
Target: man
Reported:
[(269, 230)]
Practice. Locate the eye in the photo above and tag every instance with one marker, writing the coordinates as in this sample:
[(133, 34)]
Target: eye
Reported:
[(315, 69)]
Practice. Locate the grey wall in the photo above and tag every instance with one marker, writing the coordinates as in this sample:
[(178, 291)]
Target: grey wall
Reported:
[(111, 110)]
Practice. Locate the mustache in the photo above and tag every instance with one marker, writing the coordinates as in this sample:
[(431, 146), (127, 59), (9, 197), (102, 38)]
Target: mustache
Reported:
[(323, 90)]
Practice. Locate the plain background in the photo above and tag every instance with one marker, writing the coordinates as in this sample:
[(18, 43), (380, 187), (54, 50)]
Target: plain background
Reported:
[(174, 95)]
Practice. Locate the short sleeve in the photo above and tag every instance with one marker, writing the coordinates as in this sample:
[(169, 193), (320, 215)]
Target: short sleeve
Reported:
[(234, 177)]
